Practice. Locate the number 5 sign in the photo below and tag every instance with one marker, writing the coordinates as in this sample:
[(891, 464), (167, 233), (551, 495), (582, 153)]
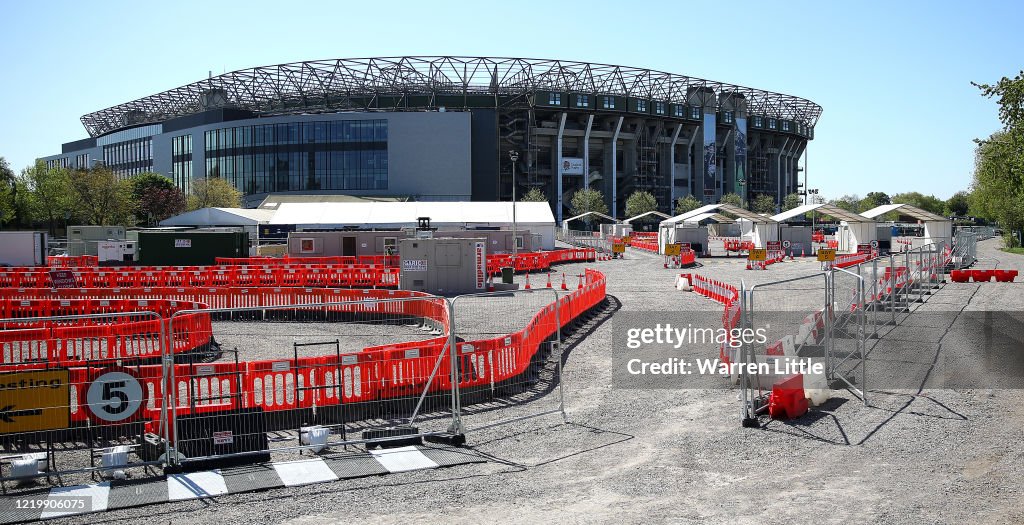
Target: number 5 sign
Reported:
[(115, 396)]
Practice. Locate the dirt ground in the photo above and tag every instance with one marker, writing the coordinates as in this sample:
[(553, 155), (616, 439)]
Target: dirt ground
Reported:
[(681, 456)]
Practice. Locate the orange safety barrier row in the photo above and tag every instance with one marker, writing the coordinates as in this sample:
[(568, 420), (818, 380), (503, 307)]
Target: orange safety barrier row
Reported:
[(645, 244), (375, 373), (982, 276), (534, 261), (73, 342), (852, 259)]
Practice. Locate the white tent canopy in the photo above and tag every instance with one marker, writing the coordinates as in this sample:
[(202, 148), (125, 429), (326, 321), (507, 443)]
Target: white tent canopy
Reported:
[(533, 216), (854, 229), (760, 228), (936, 227), (220, 217)]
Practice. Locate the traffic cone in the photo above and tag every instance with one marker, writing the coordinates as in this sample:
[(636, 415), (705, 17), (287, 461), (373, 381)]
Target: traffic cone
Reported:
[(564, 287), (802, 253), (527, 287), (490, 283), (748, 265), (580, 286), (549, 280)]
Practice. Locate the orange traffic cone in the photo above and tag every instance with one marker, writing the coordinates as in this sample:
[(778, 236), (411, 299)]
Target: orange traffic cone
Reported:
[(549, 280), (564, 287), (748, 265), (527, 287), (580, 286)]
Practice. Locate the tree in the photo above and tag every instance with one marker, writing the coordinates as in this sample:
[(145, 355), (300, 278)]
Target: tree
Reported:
[(997, 192), (925, 202), (101, 197), (640, 202), (687, 203), (958, 204), (534, 195), (213, 192), (791, 201), (587, 200), (847, 202), (998, 187), (8, 192), (155, 197), (763, 204), (49, 196), (874, 199), (733, 199)]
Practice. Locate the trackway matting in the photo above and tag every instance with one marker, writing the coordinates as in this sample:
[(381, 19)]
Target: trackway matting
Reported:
[(110, 495)]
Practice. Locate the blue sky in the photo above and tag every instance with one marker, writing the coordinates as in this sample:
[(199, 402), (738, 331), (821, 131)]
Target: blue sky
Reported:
[(893, 77)]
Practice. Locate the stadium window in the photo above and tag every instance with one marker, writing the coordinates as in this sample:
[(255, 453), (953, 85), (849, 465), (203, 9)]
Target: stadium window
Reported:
[(727, 117), (607, 102), (641, 105), (678, 111), (694, 112), (582, 101), (785, 125), (659, 108), (758, 122), (555, 99), (772, 123)]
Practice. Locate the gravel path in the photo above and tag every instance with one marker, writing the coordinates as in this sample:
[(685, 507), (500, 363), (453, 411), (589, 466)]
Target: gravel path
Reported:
[(680, 456)]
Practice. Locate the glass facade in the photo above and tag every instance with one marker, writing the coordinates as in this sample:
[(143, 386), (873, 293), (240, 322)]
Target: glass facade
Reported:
[(130, 157), (181, 162), (320, 155)]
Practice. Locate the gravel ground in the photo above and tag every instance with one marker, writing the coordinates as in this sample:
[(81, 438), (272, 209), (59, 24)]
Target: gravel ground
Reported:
[(680, 456)]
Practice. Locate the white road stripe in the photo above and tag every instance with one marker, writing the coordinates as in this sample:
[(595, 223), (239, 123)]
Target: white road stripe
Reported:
[(402, 459), (304, 472), (195, 485), (62, 499)]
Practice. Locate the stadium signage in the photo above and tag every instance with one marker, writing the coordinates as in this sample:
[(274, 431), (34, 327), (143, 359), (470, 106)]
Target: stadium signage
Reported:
[(572, 166)]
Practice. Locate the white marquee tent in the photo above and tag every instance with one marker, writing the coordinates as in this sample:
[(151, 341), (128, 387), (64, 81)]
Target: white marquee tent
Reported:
[(936, 227)]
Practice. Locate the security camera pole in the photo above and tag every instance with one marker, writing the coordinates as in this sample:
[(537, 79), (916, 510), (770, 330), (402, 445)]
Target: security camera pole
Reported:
[(514, 156)]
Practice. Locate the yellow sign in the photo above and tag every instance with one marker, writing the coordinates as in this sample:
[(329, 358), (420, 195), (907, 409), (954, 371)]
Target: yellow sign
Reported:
[(31, 401), (827, 254), (673, 249), (758, 254), (627, 239), (619, 247)]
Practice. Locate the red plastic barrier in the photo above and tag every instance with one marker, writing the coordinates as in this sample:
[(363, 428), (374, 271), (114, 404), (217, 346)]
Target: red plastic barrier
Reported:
[(1004, 276), (787, 400)]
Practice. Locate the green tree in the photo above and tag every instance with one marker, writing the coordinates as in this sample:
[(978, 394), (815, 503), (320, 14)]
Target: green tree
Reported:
[(50, 194), (791, 201), (763, 204), (958, 204), (101, 197), (155, 198), (687, 203), (733, 199), (925, 202), (587, 200), (874, 199), (534, 195), (8, 192), (847, 202), (640, 202), (998, 186), (213, 192)]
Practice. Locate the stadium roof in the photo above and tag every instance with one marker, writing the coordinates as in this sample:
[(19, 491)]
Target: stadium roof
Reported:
[(826, 209), (383, 214), (419, 82), (904, 209)]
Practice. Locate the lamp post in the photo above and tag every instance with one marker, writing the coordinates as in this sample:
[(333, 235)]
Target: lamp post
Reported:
[(513, 155)]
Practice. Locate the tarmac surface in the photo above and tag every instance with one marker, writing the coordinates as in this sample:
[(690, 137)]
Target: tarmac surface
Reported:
[(679, 455)]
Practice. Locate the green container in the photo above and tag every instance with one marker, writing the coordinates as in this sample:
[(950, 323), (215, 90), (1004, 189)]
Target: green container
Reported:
[(506, 274), (190, 248)]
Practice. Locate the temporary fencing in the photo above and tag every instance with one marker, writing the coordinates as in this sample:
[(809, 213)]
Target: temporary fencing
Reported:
[(382, 370), (583, 239), (65, 261)]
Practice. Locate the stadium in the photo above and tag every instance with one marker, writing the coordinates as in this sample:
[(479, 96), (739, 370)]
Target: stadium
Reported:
[(443, 128)]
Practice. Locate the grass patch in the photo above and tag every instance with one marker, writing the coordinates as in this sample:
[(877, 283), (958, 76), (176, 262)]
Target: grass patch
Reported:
[(1018, 250)]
